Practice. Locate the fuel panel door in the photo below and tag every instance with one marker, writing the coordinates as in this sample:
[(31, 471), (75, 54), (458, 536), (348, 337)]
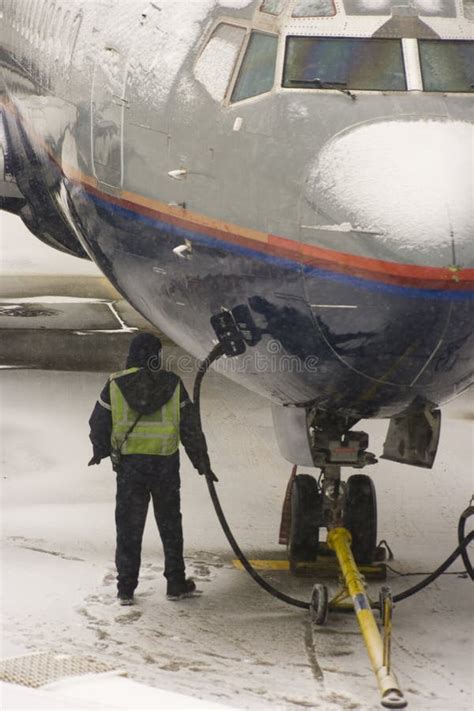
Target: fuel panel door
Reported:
[(107, 111)]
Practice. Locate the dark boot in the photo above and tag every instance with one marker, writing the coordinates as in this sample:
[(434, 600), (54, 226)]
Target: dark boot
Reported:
[(129, 600), (125, 598), (180, 588)]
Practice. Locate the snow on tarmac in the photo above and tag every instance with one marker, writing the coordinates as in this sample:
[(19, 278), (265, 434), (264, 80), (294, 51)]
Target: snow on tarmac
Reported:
[(233, 644), (21, 253)]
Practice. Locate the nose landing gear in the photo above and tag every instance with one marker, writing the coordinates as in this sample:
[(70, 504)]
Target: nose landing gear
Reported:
[(310, 506), (349, 512)]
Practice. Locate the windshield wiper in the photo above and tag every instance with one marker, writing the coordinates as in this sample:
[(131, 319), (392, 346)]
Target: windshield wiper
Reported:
[(338, 85)]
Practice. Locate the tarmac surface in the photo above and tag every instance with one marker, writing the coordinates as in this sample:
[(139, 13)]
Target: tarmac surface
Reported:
[(53, 318), (232, 644)]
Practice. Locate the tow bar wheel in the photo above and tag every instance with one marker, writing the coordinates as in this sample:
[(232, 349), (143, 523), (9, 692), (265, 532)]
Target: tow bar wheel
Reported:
[(319, 605), (304, 531), (360, 517)]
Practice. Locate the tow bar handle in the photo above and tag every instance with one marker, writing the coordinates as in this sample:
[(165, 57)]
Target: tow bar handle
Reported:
[(339, 540)]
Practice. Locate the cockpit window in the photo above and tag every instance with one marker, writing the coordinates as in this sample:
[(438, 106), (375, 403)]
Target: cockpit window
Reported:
[(313, 8), (447, 65), (215, 66), (441, 8), (272, 7), (468, 9), (257, 73), (344, 63)]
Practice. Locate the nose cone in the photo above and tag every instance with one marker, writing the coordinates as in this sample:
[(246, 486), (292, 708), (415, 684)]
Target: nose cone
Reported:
[(408, 182)]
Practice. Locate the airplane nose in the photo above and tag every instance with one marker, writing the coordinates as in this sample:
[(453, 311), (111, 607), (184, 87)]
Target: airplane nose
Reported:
[(398, 196), (408, 184)]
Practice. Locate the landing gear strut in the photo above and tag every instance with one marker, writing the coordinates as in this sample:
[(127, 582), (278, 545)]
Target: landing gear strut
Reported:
[(349, 512)]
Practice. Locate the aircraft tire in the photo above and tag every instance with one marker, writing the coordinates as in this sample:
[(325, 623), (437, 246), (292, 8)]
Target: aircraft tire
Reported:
[(304, 529), (360, 517)]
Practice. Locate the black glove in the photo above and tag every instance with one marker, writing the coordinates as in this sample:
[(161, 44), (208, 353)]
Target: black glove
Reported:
[(95, 460), (211, 475), (202, 463), (205, 470)]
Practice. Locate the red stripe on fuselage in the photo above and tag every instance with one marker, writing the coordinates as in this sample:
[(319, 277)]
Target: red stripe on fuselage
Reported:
[(450, 278), (433, 278)]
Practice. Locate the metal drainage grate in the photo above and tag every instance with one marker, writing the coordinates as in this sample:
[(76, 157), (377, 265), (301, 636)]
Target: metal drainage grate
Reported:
[(35, 670), (27, 310)]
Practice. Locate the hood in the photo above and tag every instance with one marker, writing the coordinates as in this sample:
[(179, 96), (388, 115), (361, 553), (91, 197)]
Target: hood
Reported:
[(145, 352), (146, 391)]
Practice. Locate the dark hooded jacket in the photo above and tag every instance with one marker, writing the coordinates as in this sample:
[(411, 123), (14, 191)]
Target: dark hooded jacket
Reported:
[(146, 391)]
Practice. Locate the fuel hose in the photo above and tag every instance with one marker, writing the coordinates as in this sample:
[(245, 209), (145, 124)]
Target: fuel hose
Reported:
[(460, 551), (204, 366)]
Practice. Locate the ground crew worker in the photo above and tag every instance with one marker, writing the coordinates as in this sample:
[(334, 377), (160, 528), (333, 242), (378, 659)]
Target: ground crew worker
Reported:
[(138, 420)]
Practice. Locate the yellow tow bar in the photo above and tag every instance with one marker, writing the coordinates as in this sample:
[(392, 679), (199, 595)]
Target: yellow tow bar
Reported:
[(339, 540)]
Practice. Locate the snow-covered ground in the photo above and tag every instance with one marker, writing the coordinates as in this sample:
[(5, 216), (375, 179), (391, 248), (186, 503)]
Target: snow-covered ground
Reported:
[(232, 644), (22, 253)]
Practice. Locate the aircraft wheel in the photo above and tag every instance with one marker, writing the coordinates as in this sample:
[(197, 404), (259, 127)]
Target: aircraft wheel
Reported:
[(319, 605), (360, 517), (306, 503)]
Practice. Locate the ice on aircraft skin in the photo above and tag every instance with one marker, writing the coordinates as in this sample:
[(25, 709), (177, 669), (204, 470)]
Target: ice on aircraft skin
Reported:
[(160, 23), (235, 4), (441, 182), (217, 61)]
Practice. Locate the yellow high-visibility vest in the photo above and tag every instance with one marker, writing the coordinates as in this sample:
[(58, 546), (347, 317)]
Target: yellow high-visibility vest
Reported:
[(156, 434)]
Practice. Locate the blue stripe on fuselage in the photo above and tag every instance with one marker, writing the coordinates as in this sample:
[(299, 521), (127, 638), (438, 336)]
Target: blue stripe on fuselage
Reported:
[(308, 271)]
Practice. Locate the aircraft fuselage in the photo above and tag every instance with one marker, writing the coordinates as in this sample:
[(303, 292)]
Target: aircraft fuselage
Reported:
[(339, 216)]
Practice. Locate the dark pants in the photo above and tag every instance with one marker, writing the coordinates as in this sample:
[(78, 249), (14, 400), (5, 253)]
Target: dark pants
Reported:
[(139, 478)]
